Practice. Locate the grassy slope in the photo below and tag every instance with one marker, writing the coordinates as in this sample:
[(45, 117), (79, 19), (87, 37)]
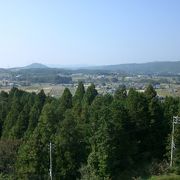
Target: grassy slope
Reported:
[(165, 177)]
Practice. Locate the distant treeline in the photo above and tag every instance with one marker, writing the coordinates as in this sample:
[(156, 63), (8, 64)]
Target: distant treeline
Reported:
[(94, 137), (42, 76), (48, 75)]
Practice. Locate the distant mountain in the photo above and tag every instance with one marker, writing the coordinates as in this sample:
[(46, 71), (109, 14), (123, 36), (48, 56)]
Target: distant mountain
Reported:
[(35, 66), (72, 66), (2, 70), (31, 66), (162, 68), (144, 68)]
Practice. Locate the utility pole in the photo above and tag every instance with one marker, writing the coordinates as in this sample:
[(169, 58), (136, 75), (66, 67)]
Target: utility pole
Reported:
[(50, 160), (176, 120)]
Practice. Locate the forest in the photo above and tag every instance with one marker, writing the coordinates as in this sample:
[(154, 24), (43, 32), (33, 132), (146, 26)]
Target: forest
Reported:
[(94, 137)]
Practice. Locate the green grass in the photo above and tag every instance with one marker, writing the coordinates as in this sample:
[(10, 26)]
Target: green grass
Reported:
[(165, 177)]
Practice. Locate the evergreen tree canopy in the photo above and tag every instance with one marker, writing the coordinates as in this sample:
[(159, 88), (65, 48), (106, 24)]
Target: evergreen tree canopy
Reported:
[(94, 137), (66, 100), (90, 94)]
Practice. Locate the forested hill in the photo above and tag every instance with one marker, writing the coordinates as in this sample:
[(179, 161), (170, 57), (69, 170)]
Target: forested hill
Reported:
[(145, 68), (162, 68), (36, 66), (93, 136)]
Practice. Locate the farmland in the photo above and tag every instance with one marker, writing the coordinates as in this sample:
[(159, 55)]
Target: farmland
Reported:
[(106, 82)]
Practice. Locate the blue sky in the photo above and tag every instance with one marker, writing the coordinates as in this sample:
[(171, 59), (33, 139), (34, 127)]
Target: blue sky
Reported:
[(91, 32)]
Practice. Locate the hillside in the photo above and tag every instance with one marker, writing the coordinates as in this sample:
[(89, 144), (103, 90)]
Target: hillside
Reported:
[(145, 68), (163, 68), (35, 66)]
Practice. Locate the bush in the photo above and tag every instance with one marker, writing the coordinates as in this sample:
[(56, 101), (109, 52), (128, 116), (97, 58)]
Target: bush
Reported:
[(5, 177)]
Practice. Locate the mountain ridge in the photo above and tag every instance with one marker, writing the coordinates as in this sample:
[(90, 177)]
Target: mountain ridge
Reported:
[(35, 66), (156, 67)]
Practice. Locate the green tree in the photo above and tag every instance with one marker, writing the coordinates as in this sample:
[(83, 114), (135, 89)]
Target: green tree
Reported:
[(66, 100), (99, 158), (137, 107), (123, 145), (157, 129), (90, 94), (35, 112), (3, 109), (8, 155), (121, 93), (69, 149), (150, 92), (77, 100), (33, 156), (28, 160), (42, 97), (21, 125), (79, 94), (12, 116)]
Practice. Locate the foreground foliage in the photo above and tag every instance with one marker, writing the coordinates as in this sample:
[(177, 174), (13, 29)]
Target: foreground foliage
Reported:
[(125, 136)]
